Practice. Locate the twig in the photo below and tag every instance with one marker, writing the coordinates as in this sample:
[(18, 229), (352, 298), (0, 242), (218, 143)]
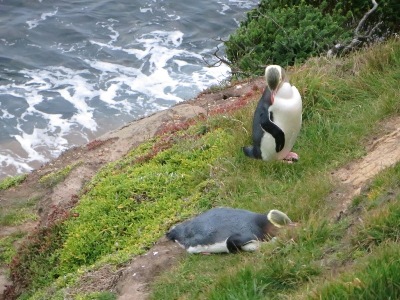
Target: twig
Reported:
[(358, 39), (365, 17)]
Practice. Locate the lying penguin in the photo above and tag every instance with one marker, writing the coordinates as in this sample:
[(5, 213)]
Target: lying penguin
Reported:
[(277, 119), (227, 230)]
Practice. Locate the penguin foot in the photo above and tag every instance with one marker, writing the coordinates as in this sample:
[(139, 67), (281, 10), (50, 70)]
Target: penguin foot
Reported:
[(251, 151), (291, 157), (248, 151)]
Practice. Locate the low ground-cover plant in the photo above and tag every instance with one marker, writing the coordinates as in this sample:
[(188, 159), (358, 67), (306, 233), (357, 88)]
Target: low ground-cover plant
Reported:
[(7, 249), (53, 178), (130, 206), (18, 213), (36, 261), (11, 181), (17, 217), (127, 206)]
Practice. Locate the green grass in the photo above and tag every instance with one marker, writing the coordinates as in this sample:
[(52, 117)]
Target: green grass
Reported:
[(368, 258), (18, 217), (132, 202), (98, 296), (19, 213), (53, 178), (278, 267), (294, 265), (11, 181), (340, 110), (381, 203), (7, 248), (376, 277)]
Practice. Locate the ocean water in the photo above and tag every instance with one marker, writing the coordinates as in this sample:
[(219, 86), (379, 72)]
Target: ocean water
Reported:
[(72, 70)]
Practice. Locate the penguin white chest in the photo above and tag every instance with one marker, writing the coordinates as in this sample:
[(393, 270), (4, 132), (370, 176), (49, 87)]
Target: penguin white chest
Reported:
[(219, 247), (286, 113)]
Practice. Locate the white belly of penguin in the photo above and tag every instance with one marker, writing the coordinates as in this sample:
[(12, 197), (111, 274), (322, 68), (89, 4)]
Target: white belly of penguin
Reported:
[(219, 247), (286, 110)]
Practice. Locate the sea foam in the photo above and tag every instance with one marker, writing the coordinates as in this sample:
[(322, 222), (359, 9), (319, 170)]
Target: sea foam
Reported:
[(75, 72)]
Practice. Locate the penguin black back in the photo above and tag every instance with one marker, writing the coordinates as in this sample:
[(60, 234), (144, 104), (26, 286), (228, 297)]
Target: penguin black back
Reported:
[(263, 122)]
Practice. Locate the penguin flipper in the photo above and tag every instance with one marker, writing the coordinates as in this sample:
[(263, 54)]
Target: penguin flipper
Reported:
[(250, 246), (276, 132), (239, 242)]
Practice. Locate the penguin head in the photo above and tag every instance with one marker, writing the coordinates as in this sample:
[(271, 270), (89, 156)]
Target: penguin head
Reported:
[(278, 218), (275, 76)]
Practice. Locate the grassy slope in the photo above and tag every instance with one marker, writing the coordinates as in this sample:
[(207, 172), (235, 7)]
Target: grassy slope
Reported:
[(131, 203), (343, 100)]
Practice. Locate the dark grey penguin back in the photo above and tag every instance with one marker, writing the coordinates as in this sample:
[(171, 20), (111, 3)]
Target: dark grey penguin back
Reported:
[(216, 225)]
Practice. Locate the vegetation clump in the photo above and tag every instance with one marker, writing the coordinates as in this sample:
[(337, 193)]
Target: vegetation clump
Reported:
[(128, 205), (11, 181), (289, 32), (131, 204), (53, 178), (7, 251)]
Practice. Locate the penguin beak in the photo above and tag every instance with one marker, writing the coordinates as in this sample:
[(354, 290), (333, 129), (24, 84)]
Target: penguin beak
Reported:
[(273, 97)]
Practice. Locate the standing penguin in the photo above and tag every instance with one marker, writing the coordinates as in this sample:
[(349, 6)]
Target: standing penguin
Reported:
[(277, 119), (227, 230)]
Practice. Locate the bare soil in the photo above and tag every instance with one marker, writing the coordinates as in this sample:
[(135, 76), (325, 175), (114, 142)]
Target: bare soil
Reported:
[(132, 280), (383, 151)]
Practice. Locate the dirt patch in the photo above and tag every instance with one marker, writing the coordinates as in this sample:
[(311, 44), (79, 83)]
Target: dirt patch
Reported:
[(382, 152), (135, 279), (4, 282), (10, 230)]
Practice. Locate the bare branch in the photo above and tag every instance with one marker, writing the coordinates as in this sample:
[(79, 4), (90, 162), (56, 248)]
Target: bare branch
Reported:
[(221, 60), (358, 39), (364, 18)]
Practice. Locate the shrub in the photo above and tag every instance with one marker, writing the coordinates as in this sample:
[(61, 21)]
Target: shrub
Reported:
[(289, 32), (283, 36)]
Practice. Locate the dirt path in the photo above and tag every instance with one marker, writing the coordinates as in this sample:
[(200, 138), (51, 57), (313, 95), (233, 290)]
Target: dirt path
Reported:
[(382, 152)]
